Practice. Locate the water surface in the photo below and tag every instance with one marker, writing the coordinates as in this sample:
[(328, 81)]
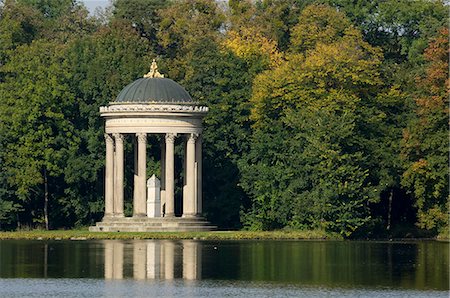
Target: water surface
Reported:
[(163, 268)]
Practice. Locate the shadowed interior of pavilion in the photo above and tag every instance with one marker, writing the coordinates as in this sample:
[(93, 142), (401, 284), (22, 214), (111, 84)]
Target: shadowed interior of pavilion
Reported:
[(153, 106)]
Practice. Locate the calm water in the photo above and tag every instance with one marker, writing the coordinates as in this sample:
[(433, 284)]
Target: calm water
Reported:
[(162, 268)]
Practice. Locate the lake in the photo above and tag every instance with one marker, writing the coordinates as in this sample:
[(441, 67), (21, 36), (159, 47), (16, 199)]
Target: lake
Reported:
[(188, 268)]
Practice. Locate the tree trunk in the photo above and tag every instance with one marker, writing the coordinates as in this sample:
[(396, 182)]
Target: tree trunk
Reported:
[(45, 199), (390, 209), (19, 225)]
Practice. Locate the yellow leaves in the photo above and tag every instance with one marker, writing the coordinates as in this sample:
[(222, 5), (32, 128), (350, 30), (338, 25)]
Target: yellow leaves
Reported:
[(248, 43), (319, 24), (269, 91), (349, 61), (433, 217), (419, 165)]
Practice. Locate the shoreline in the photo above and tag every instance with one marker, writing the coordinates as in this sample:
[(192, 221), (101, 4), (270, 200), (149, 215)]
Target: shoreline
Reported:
[(210, 235)]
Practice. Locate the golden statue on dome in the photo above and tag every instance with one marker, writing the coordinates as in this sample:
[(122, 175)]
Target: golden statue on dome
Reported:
[(153, 73)]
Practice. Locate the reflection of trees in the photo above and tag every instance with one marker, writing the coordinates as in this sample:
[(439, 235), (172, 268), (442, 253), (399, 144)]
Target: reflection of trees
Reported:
[(346, 264), (409, 265), (154, 259)]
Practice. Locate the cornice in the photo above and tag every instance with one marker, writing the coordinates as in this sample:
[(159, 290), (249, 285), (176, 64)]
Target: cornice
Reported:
[(154, 108)]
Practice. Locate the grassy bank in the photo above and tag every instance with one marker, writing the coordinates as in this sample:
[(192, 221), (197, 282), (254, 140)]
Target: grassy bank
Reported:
[(215, 235)]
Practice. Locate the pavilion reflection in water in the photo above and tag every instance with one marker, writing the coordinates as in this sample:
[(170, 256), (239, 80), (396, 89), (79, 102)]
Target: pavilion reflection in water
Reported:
[(153, 259)]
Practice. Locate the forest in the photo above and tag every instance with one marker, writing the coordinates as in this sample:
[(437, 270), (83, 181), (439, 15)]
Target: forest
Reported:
[(324, 114)]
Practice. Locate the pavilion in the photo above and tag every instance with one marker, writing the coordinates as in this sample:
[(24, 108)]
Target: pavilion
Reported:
[(153, 105)]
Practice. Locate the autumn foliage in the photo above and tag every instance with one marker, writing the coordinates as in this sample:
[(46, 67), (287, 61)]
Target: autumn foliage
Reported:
[(323, 115)]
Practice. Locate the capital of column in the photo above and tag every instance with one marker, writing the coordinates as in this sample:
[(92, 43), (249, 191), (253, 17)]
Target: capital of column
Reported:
[(170, 137), (119, 137), (142, 137), (108, 139), (193, 137)]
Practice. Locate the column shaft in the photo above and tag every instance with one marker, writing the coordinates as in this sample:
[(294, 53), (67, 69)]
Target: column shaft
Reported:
[(185, 186), (170, 169), (163, 177), (135, 174), (140, 200), (109, 176), (189, 202), (199, 182), (118, 179)]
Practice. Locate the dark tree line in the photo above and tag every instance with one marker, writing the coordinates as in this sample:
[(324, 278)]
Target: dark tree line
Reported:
[(327, 115)]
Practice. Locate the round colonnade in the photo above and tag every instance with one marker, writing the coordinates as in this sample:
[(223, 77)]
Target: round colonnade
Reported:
[(153, 106)]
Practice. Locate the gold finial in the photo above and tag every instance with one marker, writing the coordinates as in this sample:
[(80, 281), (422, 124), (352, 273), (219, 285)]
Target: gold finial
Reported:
[(153, 73)]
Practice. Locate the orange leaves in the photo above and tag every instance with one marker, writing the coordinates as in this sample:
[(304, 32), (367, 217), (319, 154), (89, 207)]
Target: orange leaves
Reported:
[(435, 85), (437, 53)]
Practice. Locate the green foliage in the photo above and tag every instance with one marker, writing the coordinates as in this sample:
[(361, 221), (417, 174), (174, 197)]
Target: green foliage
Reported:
[(319, 110), (19, 25), (425, 142), (103, 63), (142, 14), (400, 28), (313, 107), (37, 117), (319, 24)]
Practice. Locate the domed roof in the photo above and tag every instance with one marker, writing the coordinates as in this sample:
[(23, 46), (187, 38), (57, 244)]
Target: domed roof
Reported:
[(153, 87), (145, 90)]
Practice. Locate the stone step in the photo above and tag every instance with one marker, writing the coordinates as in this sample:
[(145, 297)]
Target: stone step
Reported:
[(150, 229), (154, 224), (145, 224), (145, 219)]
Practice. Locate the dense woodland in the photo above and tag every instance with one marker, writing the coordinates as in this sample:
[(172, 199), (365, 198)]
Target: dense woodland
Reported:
[(328, 115)]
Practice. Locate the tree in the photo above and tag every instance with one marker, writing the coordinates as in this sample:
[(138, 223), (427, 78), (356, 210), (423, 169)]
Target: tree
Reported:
[(186, 27), (102, 63), (143, 15), (319, 24), (272, 19), (401, 28), (19, 24), (37, 121), (315, 107), (425, 141)]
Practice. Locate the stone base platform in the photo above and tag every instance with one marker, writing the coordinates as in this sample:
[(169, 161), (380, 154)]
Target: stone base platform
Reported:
[(157, 224)]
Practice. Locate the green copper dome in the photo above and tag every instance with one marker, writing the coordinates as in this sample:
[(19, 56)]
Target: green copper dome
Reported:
[(153, 87), (146, 90)]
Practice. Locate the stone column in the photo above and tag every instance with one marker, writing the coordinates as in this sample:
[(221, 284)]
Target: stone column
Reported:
[(199, 182), (189, 202), (109, 176), (135, 173), (140, 199), (170, 173), (163, 177), (184, 193), (118, 179)]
